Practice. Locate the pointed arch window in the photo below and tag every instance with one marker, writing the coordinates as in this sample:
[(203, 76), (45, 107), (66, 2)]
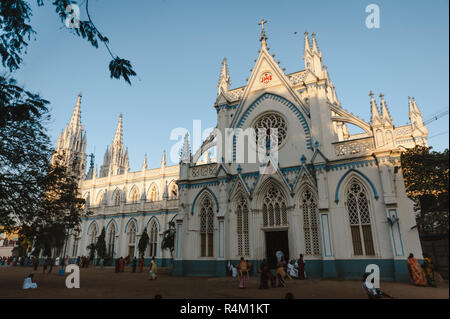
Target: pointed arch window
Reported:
[(206, 227), (153, 239), (117, 198), (93, 237), (100, 198), (242, 227), (359, 217), (308, 204), (274, 208), (153, 193), (173, 193), (134, 195), (111, 239), (132, 233)]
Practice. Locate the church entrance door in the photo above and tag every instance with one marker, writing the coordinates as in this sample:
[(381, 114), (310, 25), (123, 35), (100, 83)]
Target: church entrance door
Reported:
[(131, 252), (276, 240)]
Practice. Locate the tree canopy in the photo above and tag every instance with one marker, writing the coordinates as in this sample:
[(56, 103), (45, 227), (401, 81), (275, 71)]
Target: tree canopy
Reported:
[(426, 181)]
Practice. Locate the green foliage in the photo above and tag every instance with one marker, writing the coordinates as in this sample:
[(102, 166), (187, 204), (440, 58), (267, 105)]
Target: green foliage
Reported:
[(92, 248), (16, 32), (143, 242), (100, 246), (426, 182), (168, 241), (24, 154), (60, 209)]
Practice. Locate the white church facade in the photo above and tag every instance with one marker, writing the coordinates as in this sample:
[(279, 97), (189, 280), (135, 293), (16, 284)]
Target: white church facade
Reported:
[(335, 197)]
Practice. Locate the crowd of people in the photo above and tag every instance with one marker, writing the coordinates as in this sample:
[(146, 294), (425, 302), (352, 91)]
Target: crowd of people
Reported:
[(269, 276)]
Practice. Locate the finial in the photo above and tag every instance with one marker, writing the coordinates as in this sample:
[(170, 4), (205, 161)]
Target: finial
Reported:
[(381, 95), (371, 93), (80, 94)]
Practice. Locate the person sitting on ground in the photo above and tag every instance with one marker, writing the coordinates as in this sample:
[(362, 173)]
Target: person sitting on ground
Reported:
[(28, 282), (373, 293)]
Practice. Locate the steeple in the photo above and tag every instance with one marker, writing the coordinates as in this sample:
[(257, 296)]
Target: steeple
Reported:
[(118, 137), (374, 114), (75, 121), (116, 160), (71, 145), (385, 112), (224, 78)]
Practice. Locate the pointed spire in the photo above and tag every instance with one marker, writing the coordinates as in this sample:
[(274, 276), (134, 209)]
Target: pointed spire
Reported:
[(118, 137), (306, 46), (374, 113), (75, 121), (315, 49), (186, 151), (384, 110), (263, 37), (144, 164), (163, 160), (224, 77), (416, 108), (410, 105)]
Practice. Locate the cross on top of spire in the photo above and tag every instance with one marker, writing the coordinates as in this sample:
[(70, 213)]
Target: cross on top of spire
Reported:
[(263, 33)]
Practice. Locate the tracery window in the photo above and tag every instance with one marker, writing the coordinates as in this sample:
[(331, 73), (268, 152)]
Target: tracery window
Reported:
[(132, 234), (153, 238), (274, 208), (359, 217), (310, 222), (268, 122), (206, 227), (242, 227), (134, 195), (100, 197), (153, 193), (93, 234)]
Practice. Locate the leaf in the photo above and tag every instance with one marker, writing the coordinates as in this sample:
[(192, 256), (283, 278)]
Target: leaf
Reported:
[(121, 68)]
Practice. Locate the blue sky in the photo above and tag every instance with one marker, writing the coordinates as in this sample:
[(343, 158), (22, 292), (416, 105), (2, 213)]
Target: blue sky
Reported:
[(176, 48)]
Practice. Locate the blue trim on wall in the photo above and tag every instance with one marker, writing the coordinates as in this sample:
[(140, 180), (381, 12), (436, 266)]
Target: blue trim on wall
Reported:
[(149, 221), (345, 175), (89, 228), (135, 222), (115, 223), (199, 193)]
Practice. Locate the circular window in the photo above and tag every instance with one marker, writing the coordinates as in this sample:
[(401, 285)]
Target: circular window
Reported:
[(269, 122)]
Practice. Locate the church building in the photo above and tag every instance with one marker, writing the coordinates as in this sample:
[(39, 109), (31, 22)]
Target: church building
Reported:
[(334, 196)]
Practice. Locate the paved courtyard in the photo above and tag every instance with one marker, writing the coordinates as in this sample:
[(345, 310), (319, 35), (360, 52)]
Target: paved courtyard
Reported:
[(96, 283)]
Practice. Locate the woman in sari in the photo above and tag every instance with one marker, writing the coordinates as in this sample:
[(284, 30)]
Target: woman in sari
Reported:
[(266, 275), (281, 272), (301, 268), (415, 272), (242, 270), (428, 269), (153, 269)]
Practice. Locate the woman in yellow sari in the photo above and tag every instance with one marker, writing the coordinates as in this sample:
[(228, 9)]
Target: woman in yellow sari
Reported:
[(415, 272)]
